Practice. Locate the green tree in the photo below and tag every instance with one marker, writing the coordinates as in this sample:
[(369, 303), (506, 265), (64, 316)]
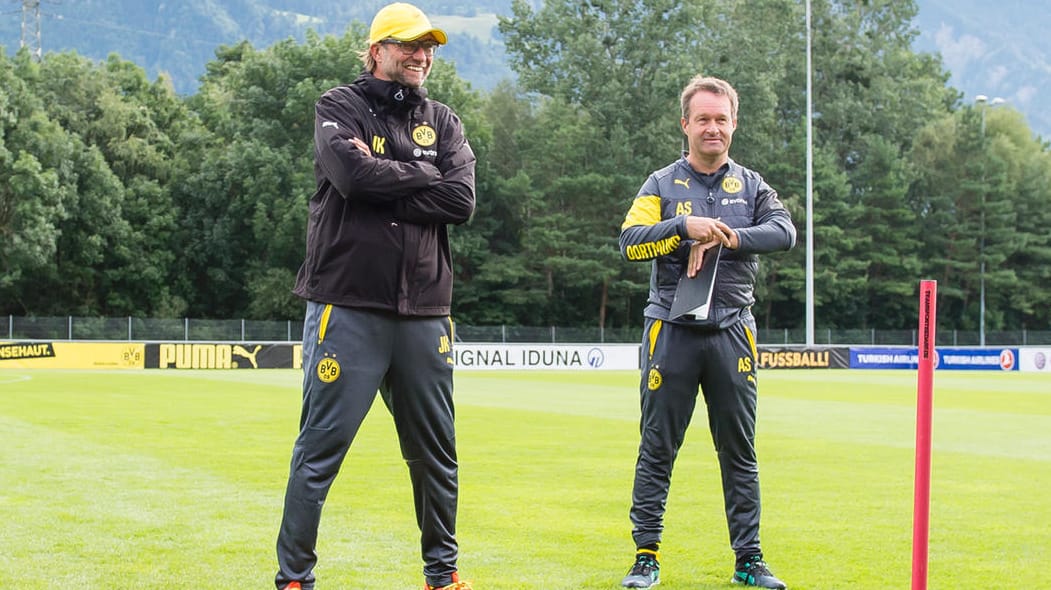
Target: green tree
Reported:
[(982, 200), (1028, 303), (624, 65), (871, 92), (623, 62), (113, 255), (946, 227), (28, 231), (243, 191), (612, 71), (758, 47), (30, 205), (93, 241)]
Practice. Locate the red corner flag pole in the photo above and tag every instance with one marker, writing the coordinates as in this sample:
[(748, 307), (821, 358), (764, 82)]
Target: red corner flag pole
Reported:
[(921, 510)]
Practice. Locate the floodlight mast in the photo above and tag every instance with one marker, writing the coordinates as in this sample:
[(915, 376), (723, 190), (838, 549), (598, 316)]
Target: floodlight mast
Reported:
[(981, 101), (809, 189)]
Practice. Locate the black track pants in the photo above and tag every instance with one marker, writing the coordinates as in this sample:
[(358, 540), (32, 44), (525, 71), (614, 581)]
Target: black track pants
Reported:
[(676, 361), (349, 354)]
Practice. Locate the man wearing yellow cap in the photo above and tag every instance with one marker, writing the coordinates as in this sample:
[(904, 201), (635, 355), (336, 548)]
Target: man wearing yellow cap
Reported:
[(393, 170)]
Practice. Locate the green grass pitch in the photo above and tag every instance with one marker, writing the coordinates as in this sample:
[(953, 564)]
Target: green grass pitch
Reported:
[(165, 479)]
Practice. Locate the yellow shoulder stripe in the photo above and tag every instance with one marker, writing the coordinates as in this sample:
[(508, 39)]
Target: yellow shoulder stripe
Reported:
[(646, 210)]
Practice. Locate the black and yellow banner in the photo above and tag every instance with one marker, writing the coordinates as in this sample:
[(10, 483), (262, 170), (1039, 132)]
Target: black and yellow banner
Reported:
[(804, 358), (220, 355), (71, 355)]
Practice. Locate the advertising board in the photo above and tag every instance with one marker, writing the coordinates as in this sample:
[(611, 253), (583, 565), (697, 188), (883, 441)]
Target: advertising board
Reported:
[(946, 358)]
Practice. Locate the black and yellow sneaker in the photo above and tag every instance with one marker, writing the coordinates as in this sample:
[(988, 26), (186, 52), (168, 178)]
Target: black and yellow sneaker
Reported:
[(646, 571), (754, 572)]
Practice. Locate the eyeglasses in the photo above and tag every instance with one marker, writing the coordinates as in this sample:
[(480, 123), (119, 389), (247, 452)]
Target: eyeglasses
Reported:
[(411, 47)]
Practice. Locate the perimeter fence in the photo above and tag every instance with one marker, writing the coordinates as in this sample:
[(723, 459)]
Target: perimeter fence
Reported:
[(243, 330)]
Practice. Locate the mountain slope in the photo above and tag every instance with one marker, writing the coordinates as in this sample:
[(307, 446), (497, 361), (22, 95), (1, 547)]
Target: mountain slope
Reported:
[(1003, 53), (1000, 53), (179, 38)]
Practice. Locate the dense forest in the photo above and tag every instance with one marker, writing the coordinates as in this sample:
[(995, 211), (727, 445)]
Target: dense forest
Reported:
[(120, 197)]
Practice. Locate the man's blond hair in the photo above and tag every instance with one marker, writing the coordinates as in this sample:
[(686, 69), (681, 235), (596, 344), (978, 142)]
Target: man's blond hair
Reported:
[(716, 86), (367, 59)]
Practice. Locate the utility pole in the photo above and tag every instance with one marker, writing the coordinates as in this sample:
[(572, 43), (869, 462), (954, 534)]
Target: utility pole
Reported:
[(31, 28)]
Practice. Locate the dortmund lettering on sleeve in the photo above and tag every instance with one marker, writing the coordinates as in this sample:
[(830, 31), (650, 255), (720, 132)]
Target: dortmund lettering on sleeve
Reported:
[(652, 249)]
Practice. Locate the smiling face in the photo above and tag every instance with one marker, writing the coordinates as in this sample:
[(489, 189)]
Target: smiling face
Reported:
[(709, 127), (407, 63)]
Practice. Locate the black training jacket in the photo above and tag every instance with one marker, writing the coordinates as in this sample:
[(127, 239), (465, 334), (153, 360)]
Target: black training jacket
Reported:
[(377, 235), (655, 229)]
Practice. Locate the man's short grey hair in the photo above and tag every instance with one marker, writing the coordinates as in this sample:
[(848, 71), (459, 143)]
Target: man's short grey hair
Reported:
[(708, 84)]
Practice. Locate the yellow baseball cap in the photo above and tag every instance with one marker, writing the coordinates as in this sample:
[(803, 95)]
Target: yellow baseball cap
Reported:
[(403, 22)]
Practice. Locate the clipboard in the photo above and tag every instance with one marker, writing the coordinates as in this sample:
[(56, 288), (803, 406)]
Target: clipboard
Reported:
[(693, 297)]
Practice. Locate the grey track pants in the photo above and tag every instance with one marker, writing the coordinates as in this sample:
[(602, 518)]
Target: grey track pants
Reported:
[(677, 360), (349, 354)]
